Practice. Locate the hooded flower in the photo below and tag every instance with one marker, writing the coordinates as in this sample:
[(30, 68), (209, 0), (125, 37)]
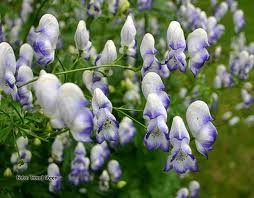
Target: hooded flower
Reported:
[(182, 193), (22, 157), (72, 106), (46, 91), (200, 123), (223, 78), (194, 187), (57, 150), (104, 181), (106, 124), (108, 54), (157, 130), (79, 166), (150, 62), (214, 30), (128, 33), (7, 70), (152, 83), (221, 10), (44, 39), (114, 170), (241, 64), (181, 158), (239, 20), (93, 80), (197, 44), (25, 56), (176, 43), (54, 184), (99, 154), (25, 97), (126, 131), (94, 8), (82, 39)]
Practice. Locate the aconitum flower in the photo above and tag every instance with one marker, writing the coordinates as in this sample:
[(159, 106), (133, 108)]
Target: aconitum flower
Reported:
[(150, 62), (57, 150), (8, 70), (94, 8), (45, 38), (104, 181), (241, 64), (177, 44), (114, 170), (99, 154), (82, 39), (22, 157), (223, 78), (233, 121), (25, 56), (248, 99), (93, 80), (128, 42), (214, 30), (194, 187), (79, 166), (126, 131), (157, 130), (108, 54), (181, 158), (182, 193), (221, 10), (145, 4), (239, 20), (54, 184), (25, 97), (152, 83), (72, 106), (26, 9), (46, 91), (197, 44), (200, 123), (106, 124)]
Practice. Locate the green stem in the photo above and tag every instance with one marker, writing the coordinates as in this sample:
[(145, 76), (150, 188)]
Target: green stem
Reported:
[(83, 69), (61, 66), (16, 110), (15, 142), (96, 67), (29, 82), (120, 111), (119, 58), (126, 109)]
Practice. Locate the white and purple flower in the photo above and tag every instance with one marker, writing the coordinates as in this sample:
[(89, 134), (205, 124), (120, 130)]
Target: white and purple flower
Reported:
[(197, 44), (181, 158), (200, 123), (114, 170), (106, 124), (176, 58)]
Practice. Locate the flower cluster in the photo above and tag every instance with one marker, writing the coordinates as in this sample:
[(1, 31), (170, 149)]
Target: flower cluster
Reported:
[(65, 105), (22, 157), (79, 166), (223, 78), (192, 192)]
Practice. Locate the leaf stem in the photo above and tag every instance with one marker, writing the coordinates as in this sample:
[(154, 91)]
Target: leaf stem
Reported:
[(120, 111)]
